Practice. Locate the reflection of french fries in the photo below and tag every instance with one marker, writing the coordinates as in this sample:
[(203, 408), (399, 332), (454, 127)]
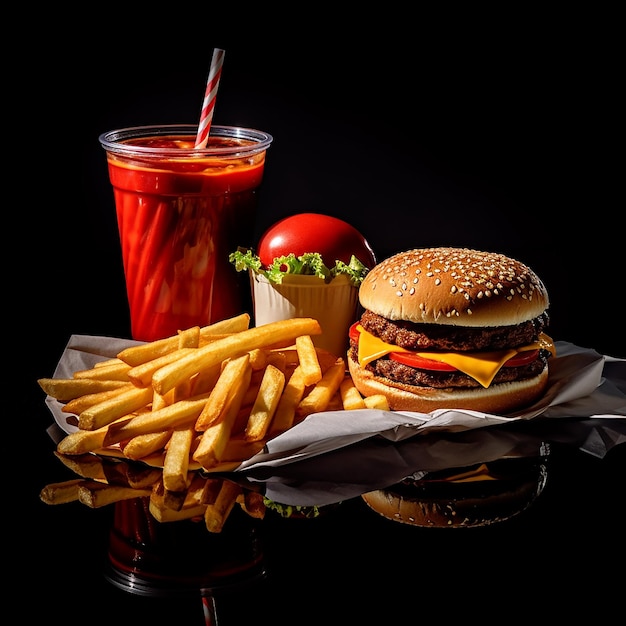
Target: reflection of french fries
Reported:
[(96, 495), (62, 492), (216, 512), (209, 500)]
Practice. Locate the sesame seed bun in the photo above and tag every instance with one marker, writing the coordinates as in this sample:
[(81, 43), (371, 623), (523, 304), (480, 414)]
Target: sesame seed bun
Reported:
[(454, 286)]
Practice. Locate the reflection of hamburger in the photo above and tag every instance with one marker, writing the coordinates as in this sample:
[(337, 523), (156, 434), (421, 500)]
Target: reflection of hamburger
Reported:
[(451, 328), (480, 495)]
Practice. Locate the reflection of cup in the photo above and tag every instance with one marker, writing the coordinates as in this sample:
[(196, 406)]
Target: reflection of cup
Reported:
[(152, 558), (333, 305), (180, 212)]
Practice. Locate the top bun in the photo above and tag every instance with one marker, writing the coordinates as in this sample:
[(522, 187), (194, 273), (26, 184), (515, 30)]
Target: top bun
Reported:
[(454, 287)]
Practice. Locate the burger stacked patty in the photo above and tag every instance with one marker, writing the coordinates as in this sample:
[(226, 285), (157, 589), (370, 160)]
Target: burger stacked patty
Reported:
[(449, 338), (454, 338)]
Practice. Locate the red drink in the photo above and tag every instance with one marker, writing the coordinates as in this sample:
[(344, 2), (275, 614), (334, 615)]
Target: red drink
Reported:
[(181, 211)]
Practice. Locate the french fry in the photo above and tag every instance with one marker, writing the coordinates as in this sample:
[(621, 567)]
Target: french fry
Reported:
[(109, 410), (96, 495), (141, 375), (78, 405), (159, 401), (61, 492), (318, 398), (82, 441), (235, 345), (238, 449), (265, 404), (215, 438), (220, 395), (217, 513), (112, 371), (307, 357), (377, 401), (136, 355), (180, 413), (176, 463), (335, 403), (351, 398), (258, 359), (205, 380), (288, 403), (107, 362), (66, 389), (189, 338), (141, 446), (278, 358)]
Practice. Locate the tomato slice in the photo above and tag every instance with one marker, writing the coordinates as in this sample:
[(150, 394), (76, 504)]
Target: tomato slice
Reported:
[(522, 358), (413, 359), (353, 333)]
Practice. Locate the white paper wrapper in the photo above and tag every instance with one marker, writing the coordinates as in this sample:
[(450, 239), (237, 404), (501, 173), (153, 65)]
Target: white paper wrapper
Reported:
[(333, 304), (583, 385)]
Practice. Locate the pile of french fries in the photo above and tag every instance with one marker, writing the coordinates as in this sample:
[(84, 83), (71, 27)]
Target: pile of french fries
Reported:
[(205, 399)]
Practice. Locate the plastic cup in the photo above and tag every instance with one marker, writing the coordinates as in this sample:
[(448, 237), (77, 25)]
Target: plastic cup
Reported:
[(181, 211), (334, 305)]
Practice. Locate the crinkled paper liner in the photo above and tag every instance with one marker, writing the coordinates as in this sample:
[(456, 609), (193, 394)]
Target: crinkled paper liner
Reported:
[(584, 404)]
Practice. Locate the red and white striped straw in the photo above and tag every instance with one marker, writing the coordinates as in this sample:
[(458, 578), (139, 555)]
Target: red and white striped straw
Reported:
[(208, 105)]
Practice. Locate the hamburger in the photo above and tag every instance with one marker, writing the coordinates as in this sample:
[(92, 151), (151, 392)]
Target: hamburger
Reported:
[(451, 328), (478, 495)]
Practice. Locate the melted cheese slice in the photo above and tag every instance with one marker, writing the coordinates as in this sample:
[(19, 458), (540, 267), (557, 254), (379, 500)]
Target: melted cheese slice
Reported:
[(481, 366)]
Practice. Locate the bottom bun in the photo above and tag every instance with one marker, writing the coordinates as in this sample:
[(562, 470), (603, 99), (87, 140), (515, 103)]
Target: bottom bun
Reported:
[(435, 503), (496, 399)]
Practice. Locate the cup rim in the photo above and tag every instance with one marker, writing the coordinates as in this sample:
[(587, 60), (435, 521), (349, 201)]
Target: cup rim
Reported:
[(112, 140)]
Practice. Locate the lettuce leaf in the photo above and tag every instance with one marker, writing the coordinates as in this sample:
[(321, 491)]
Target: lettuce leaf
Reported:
[(310, 263)]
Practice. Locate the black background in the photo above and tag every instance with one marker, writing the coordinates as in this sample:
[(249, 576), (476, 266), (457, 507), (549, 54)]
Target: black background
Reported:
[(458, 130), (495, 131)]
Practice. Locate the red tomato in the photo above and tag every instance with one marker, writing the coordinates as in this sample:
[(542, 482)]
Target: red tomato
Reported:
[(419, 362), (331, 237)]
